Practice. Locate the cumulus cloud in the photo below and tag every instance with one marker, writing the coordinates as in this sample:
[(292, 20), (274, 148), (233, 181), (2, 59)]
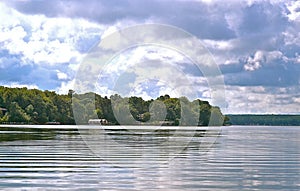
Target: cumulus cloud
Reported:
[(61, 75), (294, 10), (259, 99), (254, 63), (65, 86), (42, 40), (262, 58), (149, 72), (34, 47)]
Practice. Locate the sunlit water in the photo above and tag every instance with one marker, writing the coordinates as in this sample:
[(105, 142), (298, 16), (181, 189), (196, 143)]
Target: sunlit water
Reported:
[(235, 158)]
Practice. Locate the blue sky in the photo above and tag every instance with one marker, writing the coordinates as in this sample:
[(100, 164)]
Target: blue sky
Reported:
[(256, 44)]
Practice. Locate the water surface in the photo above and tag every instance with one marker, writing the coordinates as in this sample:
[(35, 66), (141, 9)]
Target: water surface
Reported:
[(235, 158)]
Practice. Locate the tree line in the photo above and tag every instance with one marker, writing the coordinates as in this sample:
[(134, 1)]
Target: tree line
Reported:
[(32, 106), (264, 119)]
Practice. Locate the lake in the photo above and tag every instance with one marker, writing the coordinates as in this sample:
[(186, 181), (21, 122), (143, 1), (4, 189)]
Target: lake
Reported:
[(226, 158)]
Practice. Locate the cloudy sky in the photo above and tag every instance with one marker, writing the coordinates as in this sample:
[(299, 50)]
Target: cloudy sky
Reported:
[(256, 44)]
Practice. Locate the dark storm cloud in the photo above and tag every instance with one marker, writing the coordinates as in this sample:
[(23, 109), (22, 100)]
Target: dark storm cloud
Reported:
[(203, 20), (263, 18), (195, 17)]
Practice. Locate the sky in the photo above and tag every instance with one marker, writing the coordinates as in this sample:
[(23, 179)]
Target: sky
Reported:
[(255, 44)]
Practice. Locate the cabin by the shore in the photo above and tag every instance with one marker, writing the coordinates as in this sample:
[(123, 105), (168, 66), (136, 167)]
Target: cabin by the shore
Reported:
[(3, 111), (98, 122), (52, 123)]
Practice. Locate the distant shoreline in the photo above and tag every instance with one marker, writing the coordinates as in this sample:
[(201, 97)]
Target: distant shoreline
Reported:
[(264, 119), (235, 120)]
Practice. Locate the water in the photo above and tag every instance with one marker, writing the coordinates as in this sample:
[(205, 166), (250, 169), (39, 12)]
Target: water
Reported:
[(235, 158)]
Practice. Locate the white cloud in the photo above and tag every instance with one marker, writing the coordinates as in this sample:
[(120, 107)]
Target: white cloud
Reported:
[(273, 55), (61, 75), (263, 57), (292, 35), (18, 85), (42, 40), (258, 99), (234, 19), (254, 63), (150, 71), (297, 59), (219, 44), (16, 32), (296, 99), (294, 13), (65, 87), (36, 42)]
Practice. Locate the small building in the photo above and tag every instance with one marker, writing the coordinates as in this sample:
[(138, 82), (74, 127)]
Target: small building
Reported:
[(52, 123), (3, 110), (167, 123), (98, 122)]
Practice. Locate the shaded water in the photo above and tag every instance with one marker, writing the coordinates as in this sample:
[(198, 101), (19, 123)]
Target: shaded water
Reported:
[(237, 158)]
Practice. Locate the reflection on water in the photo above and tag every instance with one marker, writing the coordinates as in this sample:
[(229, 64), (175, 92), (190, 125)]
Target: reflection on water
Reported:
[(14, 134), (134, 146), (241, 158)]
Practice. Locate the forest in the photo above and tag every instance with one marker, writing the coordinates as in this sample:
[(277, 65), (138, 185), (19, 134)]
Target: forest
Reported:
[(266, 119), (32, 106)]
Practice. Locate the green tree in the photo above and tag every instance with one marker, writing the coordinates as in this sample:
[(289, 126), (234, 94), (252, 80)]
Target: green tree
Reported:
[(36, 106), (17, 114)]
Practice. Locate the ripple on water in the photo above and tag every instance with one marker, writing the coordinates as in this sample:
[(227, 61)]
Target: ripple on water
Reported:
[(241, 158)]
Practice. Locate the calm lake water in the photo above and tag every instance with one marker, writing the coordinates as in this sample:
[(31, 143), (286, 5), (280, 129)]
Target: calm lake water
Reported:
[(230, 158)]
